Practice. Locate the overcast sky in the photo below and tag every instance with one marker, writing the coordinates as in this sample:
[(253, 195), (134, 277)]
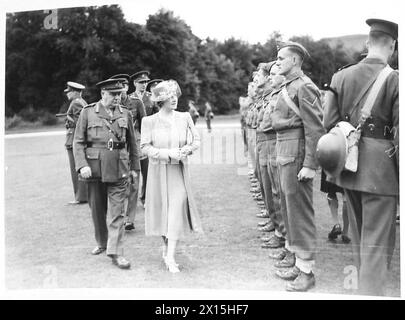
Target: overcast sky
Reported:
[(250, 20)]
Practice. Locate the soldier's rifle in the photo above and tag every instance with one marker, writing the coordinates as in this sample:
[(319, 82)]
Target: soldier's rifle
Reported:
[(69, 120)]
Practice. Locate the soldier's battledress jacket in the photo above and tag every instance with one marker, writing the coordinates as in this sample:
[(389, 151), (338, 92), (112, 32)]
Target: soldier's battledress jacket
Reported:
[(270, 102), (264, 101), (137, 109), (75, 107), (258, 104), (378, 160), (106, 144), (307, 98), (149, 107)]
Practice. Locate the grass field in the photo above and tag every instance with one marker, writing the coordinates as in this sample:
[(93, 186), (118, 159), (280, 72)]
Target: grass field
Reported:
[(48, 243)]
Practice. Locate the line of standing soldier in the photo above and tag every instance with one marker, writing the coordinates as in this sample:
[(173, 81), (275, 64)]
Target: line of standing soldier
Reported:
[(282, 124)]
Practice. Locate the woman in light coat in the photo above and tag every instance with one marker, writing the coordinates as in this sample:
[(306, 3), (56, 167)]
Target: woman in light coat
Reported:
[(168, 138)]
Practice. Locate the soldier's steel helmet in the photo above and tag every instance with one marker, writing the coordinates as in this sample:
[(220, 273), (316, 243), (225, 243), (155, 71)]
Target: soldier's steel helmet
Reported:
[(331, 151)]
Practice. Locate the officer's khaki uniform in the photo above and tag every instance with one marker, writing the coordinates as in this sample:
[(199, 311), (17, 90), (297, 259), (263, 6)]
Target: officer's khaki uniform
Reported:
[(372, 191), (269, 133), (296, 144), (135, 106), (79, 187), (108, 185)]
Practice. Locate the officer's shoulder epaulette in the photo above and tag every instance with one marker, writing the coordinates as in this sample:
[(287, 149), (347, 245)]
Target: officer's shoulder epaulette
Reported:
[(346, 66), (134, 97), (90, 105)]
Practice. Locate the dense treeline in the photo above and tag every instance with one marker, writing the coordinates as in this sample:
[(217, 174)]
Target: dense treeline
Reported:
[(92, 43)]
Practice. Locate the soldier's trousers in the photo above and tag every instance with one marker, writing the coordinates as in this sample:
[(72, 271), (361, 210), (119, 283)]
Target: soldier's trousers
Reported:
[(296, 198), (79, 187), (275, 191), (208, 120), (244, 137), (144, 172), (132, 200), (107, 204), (251, 133), (373, 227), (264, 179)]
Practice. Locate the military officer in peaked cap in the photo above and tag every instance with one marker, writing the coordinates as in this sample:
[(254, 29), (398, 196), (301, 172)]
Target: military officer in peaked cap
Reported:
[(106, 156), (137, 109), (73, 92), (297, 120), (372, 191), (140, 80), (150, 85)]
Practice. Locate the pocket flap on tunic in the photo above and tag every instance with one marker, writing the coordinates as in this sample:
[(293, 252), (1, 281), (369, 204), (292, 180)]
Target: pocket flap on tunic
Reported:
[(94, 123), (283, 160), (92, 153), (122, 123)]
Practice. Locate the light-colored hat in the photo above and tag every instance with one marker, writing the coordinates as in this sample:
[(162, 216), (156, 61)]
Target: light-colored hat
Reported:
[(73, 86), (165, 90)]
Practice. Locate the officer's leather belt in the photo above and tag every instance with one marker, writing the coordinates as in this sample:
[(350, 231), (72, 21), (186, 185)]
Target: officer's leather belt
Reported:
[(289, 134), (264, 136), (378, 132), (114, 145)]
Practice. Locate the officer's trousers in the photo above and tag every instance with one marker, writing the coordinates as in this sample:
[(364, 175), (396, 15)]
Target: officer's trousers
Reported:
[(132, 200), (275, 191), (79, 187), (144, 172), (296, 199), (107, 204), (373, 227)]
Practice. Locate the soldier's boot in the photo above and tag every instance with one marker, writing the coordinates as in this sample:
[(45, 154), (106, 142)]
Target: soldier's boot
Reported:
[(278, 254), (287, 262), (262, 223), (303, 282), (290, 274), (269, 227), (274, 243), (263, 214)]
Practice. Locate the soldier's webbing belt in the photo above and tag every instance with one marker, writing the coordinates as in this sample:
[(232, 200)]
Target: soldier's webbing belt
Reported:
[(111, 129), (109, 145)]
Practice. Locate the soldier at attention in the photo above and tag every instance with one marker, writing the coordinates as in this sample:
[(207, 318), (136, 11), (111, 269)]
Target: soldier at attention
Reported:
[(297, 119), (372, 191)]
